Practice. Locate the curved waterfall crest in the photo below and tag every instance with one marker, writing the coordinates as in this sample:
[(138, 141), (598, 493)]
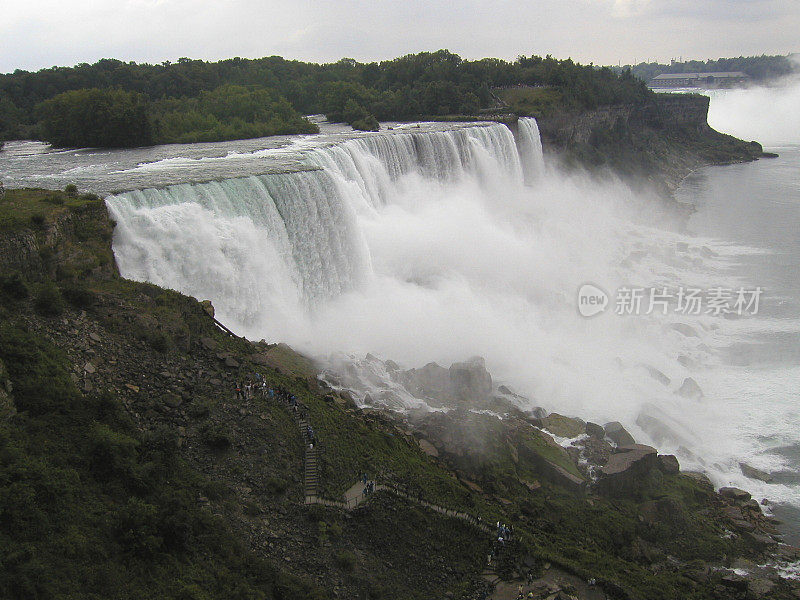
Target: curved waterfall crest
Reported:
[(267, 242)]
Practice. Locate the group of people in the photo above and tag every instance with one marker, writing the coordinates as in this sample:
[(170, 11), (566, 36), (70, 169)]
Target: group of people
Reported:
[(369, 485), (249, 387), (504, 533)]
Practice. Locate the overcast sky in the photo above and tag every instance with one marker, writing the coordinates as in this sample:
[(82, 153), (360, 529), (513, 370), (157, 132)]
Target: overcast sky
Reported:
[(43, 33)]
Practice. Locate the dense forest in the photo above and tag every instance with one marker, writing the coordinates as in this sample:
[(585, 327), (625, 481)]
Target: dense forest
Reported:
[(760, 68), (194, 100)]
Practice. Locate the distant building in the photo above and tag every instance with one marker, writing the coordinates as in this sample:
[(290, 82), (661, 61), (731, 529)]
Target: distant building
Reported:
[(723, 79)]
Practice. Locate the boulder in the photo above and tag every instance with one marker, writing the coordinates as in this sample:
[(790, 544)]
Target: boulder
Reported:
[(733, 512), (754, 473), (209, 343), (594, 430), (668, 463), (762, 540), (428, 448), (208, 308), (538, 412), (661, 428), (700, 478), (231, 362), (690, 389), (684, 329), (469, 380), (734, 494), (626, 467), (743, 525), (656, 374), (618, 434), (563, 426)]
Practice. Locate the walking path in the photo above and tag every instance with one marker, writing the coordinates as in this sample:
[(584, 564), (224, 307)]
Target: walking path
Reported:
[(357, 494)]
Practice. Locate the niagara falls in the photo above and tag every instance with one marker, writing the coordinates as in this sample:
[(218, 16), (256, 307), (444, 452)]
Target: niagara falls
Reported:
[(279, 324)]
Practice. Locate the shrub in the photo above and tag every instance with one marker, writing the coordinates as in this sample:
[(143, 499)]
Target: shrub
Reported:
[(55, 199), (38, 370), (38, 220), (346, 561), (216, 435), (137, 527), (49, 301), (78, 296), (368, 123), (71, 190), (276, 486), (14, 286), (112, 452)]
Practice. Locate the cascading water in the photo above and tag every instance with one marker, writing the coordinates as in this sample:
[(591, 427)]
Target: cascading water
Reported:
[(427, 245), (201, 238)]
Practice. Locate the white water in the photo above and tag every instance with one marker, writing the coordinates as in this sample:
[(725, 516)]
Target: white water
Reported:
[(439, 245), (767, 114)]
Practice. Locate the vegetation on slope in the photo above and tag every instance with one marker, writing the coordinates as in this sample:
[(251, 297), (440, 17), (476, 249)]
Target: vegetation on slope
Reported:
[(130, 470)]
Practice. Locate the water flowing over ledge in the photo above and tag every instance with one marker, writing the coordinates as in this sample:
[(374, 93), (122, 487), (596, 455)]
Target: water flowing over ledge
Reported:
[(295, 236)]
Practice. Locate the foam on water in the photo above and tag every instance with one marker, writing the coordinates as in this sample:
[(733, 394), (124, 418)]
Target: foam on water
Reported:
[(423, 245)]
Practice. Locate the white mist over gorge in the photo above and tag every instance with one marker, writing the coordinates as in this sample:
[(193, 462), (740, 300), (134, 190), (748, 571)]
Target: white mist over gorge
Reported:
[(437, 243)]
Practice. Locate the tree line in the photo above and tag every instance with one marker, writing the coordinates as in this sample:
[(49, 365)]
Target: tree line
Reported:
[(760, 68), (114, 103)]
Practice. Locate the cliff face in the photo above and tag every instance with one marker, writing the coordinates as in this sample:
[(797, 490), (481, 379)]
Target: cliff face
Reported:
[(56, 240), (659, 142)]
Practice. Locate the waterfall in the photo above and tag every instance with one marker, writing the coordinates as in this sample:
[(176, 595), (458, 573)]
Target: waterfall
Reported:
[(530, 148), (265, 246)]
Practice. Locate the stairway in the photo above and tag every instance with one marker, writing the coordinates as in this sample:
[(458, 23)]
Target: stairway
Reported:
[(311, 467)]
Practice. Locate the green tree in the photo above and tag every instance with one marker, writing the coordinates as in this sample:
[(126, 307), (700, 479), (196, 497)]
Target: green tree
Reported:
[(96, 118)]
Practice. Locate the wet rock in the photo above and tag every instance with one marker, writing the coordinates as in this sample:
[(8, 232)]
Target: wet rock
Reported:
[(754, 473), (700, 478), (690, 389), (618, 434), (668, 463), (735, 494), (538, 412), (743, 525), (470, 380), (684, 329), (208, 307), (752, 505), (762, 539), (661, 428), (563, 426), (594, 430), (657, 375), (626, 467), (733, 512), (734, 582)]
